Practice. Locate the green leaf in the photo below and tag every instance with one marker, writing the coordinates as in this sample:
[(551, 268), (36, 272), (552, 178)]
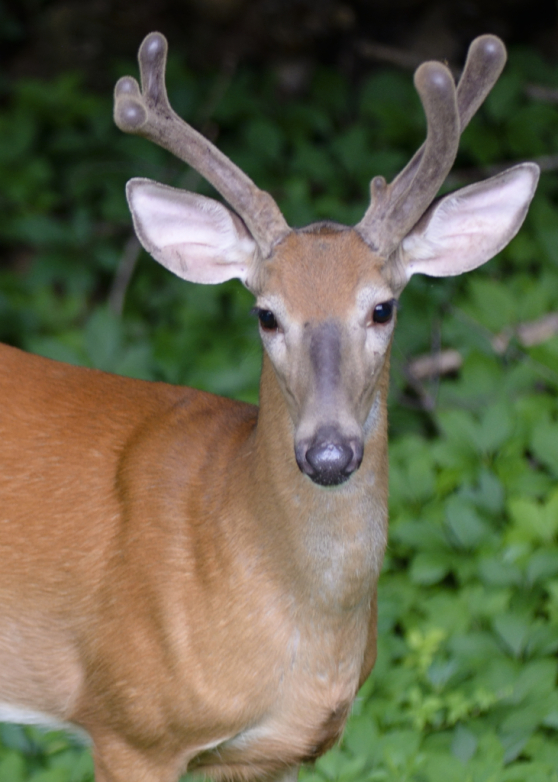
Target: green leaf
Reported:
[(398, 747), (533, 522), (514, 743), (464, 743), (361, 735), (429, 568), (513, 630), (464, 523), (12, 767), (542, 565), (536, 679), (495, 427), (493, 571), (491, 304), (544, 443)]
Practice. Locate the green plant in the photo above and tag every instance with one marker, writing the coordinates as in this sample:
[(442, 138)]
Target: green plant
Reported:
[(465, 686)]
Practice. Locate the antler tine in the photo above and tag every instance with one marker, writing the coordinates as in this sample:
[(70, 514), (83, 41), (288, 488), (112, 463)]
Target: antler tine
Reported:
[(484, 64), (147, 112), (395, 208), (485, 61)]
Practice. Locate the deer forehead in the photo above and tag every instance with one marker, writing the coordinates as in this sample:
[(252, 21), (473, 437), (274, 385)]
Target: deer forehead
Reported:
[(324, 271)]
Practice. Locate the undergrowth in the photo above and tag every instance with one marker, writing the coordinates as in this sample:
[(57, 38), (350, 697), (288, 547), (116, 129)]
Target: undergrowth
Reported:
[(465, 687)]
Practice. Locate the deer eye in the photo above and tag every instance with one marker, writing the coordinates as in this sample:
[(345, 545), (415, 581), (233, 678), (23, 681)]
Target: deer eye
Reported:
[(267, 319), (383, 313)]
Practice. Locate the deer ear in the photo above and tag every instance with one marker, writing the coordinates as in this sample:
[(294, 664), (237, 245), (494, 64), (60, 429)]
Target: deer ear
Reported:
[(467, 228), (197, 238)]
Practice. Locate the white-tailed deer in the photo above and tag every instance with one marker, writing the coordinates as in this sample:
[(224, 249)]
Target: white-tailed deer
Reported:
[(192, 580)]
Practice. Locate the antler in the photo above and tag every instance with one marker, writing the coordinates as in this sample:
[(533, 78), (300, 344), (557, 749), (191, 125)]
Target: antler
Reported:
[(147, 112), (397, 207)]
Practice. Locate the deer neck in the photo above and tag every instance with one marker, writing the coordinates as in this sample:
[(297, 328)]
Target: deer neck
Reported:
[(333, 538)]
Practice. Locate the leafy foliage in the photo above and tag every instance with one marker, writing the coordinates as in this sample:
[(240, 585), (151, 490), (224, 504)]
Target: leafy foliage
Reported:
[(465, 687)]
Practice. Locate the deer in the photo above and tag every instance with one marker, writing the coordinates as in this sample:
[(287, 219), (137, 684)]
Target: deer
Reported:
[(192, 580)]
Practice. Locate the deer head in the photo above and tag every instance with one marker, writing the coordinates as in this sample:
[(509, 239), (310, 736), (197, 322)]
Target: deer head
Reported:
[(326, 294)]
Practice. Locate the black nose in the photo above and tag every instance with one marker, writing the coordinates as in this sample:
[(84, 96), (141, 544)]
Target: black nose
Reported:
[(329, 458)]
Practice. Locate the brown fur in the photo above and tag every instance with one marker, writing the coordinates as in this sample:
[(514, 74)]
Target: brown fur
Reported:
[(170, 581)]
